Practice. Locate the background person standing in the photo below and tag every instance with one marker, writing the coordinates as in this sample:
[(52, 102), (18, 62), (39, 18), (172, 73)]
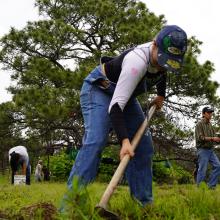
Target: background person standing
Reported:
[(205, 141), (18, 157), (39, 171), (46, 173)]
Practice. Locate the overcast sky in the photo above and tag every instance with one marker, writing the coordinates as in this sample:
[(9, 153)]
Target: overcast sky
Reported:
[(198, 18), (13, 13)]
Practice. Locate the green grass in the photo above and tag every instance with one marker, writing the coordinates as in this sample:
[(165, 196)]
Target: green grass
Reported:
[(4, 179), (176, 202)]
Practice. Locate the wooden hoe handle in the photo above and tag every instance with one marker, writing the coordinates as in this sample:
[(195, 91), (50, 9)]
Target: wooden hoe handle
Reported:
[(123, 164)]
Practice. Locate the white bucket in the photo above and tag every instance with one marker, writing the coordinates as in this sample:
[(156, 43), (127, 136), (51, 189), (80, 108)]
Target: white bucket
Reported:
[(19, 179)]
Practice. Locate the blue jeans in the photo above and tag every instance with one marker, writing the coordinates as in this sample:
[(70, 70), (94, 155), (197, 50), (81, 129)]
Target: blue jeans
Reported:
[(95, 103), (204, 157), (28, 174)]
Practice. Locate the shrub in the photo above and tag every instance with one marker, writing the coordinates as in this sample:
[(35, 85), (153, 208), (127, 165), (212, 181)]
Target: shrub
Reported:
[(109, 163), (60, 166), (162, 174), (170, 174)]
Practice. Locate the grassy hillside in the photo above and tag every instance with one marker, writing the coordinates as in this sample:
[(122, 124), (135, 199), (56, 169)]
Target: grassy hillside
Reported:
[(41, 201)]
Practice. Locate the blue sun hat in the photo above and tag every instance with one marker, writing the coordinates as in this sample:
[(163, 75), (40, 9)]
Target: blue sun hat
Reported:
[(172, 44)]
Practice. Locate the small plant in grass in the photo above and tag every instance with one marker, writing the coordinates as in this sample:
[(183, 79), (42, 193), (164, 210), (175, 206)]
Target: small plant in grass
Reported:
[(77, 203)]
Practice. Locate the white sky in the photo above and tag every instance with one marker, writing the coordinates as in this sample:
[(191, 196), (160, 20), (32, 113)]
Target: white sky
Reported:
[(13, 13), (198, 18)]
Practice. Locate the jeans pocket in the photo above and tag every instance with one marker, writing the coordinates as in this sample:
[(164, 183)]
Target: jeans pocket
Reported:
[(96, 78), (109, 88), (102, 83)]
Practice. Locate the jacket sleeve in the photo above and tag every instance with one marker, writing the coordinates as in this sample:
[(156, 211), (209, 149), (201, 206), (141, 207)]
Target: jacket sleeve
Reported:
[(132, 72), (199, 135), (118, 122), (161, 85)]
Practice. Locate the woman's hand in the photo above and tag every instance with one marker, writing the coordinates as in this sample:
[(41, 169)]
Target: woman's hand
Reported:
[(126, 149), (158, 101), (215, 139)]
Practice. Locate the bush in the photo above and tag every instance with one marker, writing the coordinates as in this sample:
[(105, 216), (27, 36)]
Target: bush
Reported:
[(60, 166), (183, 176), (162, 174), (170, 174), (109, 163)]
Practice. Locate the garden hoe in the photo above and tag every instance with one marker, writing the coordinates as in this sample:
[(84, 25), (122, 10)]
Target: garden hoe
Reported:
[(101, 207)]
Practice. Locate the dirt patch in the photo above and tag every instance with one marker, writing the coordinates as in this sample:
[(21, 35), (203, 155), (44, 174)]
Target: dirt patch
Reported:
[(44, 211), (3, 216)]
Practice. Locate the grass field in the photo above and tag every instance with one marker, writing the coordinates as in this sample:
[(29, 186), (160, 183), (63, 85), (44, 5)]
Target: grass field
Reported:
[(42, 200)]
